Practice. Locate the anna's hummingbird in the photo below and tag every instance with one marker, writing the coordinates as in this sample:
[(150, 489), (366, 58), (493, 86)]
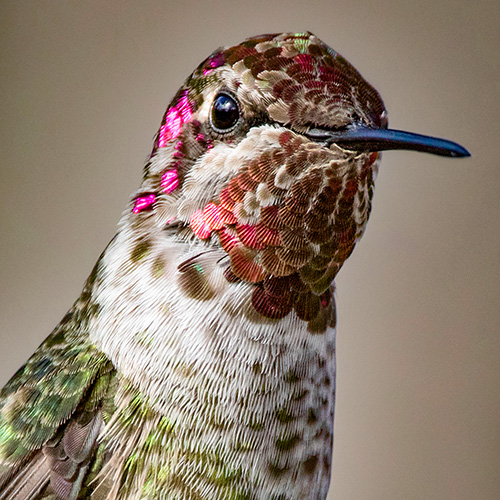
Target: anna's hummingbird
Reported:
[(199, 360)]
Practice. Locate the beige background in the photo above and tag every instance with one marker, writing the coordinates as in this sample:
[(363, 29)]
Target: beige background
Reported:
[(83, 88)]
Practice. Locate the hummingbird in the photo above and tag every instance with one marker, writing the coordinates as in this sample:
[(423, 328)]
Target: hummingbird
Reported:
[(199, 361)]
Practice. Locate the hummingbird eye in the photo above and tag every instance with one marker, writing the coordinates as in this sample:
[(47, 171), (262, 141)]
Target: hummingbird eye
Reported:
[(225, 113)]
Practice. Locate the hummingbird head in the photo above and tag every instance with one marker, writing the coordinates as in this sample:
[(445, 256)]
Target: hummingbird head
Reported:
[(269, 152)]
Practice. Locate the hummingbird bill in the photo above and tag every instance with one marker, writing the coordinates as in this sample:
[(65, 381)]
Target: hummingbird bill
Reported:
[(199, 361)]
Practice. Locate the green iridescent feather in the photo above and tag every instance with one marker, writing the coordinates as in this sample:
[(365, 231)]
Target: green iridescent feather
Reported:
[(54, 395)]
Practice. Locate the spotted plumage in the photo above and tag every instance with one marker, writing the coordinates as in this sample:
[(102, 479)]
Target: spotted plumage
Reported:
[(199, 361)]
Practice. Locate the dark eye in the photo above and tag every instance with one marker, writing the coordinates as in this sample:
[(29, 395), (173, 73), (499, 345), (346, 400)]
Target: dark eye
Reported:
[(225, 113)]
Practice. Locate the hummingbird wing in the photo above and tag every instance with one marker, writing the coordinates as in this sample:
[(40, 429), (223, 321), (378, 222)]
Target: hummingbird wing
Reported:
[(52, 412)]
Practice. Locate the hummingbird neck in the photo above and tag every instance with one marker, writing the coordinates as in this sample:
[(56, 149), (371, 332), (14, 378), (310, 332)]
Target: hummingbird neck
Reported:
[(242, 387)]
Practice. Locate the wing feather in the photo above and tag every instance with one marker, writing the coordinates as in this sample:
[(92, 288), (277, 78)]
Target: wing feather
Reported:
[(52, 411)]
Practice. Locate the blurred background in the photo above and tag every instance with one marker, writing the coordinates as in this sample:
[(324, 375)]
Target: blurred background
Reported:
[(83, 87)]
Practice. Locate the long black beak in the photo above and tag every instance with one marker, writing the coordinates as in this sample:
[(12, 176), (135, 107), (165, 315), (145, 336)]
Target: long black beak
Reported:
[(362, 138)]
